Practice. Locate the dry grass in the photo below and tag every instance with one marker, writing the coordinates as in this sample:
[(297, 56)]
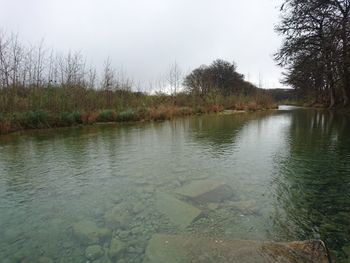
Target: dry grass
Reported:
[(36, 108)]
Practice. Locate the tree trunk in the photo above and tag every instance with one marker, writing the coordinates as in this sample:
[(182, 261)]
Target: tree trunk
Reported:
[(332, 97)]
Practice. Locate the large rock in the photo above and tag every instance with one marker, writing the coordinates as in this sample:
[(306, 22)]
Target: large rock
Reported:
[(44, 259), (116, 249), (244, 207), (206, 191), (93, 252), (183, 249), (88, 233), (103, 259), (118, 217), (179, 213)]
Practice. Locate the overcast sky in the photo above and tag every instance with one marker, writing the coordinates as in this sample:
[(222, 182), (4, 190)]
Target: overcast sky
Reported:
[(146, 36)]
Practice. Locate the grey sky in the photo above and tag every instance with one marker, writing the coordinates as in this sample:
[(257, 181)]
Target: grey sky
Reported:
[(146, 36)]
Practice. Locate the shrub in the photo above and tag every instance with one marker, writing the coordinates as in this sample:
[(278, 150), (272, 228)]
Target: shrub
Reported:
[(107, 116), (70, 118), (186, 111), (128, 115), (5, 124), (159, 114), (89, 118), (143, 113), (32, 119)]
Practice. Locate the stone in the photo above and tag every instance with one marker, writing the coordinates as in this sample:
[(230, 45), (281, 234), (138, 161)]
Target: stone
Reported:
[(88, 233), (93, 252), (183, 249), (45, 260), (213, 206), (178, 212), (104, 259), (116, 248), (117, 217), (245, 207), (206, 191)]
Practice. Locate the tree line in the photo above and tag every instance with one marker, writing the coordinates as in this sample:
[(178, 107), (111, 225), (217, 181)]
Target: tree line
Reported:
[(316, 49), (34, 78), (36, 66)]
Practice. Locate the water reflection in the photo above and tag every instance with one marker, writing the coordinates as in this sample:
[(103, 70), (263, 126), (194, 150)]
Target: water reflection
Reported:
[(312, 181)]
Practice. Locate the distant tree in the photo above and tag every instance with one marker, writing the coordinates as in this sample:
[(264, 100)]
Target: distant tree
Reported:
[(220, 76)]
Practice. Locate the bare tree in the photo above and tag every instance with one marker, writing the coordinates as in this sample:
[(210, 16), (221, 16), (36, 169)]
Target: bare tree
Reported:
[(109, 76), (4, 60), (174, 78), (91, 78)]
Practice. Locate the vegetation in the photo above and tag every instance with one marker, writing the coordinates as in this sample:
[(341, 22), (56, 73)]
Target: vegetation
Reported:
[(39, 89), (220, 77), (316, 49)]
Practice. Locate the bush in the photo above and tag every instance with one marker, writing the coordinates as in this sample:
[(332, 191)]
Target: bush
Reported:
[(143, 113), (107, 116), (128, 115), (89, 117), (184, 111), (5, 124), (70, 118), (32, 119)]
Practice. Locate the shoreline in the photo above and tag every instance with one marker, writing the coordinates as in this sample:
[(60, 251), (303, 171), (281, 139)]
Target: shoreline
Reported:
[(8, 126)]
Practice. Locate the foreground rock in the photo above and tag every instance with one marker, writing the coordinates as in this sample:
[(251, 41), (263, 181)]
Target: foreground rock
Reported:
[(183, 249), (178, 212), (45, 260), (118, 217), (93, 252), (116, 249), (88, 233), (206, 191)]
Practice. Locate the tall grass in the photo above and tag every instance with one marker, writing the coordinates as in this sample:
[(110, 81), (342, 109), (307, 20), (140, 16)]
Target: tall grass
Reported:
[(44, 107)]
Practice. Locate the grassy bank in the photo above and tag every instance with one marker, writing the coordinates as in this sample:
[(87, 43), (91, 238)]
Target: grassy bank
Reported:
[(36, 108)]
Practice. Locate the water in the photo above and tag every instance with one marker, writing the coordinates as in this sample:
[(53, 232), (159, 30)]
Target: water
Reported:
[(289, 172)]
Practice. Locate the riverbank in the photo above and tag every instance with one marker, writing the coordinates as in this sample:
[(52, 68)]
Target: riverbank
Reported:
[(43, 119), (64, 106)]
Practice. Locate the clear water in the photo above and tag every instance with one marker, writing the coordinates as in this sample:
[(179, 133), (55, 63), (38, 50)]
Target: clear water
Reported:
[(289, 171)]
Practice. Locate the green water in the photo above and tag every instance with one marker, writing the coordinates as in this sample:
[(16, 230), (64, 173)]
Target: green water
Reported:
[(289, 171)]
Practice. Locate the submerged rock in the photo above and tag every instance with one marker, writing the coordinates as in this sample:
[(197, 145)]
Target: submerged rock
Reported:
[(244, 207), (118, 217), (178, 212), (206, 191), (213, 206), (183, 249), (116, 248), (93, 252), (88, 233), (45, 260), (104, 259)]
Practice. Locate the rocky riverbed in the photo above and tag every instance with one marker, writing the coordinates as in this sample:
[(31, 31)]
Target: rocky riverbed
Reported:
[(152, 230)]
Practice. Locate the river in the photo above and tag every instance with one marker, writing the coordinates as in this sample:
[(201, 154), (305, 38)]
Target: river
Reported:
[(63, 190)]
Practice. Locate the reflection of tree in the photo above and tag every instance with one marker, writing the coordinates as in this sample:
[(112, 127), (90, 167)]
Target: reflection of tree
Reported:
[(312, 187), (219, 132)]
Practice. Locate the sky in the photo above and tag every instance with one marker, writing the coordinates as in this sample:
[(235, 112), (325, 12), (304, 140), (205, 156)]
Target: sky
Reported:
[(144, 37)]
